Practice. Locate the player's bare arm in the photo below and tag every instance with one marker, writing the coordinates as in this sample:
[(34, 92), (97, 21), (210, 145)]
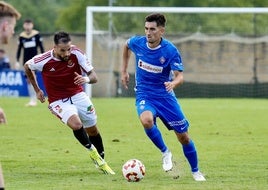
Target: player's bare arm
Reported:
[(124, 73), (177, 81), (30, 75), (90, 78), (2, 117)]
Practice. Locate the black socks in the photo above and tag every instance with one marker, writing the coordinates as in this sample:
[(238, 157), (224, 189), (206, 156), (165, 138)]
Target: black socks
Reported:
[(87, 141), (97, 141), (82, 137)]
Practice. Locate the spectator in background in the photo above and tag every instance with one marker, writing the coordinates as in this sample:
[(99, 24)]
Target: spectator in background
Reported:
[(29, 40), (8, 19), (4, 61)]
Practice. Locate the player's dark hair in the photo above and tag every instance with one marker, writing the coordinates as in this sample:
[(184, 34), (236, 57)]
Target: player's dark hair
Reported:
[(61, 37), (28, 20), (156, 17)]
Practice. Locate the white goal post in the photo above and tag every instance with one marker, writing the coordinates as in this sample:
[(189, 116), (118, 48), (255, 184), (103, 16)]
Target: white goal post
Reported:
[(110, 9)]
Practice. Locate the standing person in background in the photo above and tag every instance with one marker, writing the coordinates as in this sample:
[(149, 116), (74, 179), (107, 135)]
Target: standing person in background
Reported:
[(159, 69), (8, 18), (4, 60), (63, 69), (29, 40)]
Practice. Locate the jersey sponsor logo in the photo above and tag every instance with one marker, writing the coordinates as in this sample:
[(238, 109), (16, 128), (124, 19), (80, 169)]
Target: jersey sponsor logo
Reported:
[(29, 44), (52, 69), (149, 67)]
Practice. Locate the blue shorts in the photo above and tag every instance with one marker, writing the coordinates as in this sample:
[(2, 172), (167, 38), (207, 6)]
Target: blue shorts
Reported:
[(167, 109)]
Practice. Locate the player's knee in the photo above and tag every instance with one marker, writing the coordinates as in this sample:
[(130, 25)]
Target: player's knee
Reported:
[(147, 122), (146, 119), (74, 122), (92, 131), (183, 138), (76, 126)]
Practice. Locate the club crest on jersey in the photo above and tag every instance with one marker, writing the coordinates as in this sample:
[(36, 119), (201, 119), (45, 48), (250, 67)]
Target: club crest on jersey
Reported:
[(70, 63), (162, 60)]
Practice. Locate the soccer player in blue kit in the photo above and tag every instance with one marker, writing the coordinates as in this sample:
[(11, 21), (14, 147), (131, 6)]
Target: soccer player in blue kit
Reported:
[(159, 69)]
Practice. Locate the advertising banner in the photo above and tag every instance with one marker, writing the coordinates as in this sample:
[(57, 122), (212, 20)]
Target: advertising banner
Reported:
[(13, 83)]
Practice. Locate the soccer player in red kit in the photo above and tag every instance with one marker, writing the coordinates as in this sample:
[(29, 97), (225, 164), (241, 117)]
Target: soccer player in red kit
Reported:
[(65, 69)]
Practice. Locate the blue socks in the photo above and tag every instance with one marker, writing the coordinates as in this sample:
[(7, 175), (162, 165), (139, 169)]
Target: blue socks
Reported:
[(156, 137), (191, 155), (188, 150)]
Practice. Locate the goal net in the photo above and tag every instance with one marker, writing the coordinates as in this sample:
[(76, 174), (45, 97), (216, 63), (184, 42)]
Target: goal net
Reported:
[(224, 50)]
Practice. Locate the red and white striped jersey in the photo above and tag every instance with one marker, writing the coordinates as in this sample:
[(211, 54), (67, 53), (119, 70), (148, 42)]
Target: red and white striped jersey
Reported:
[(58, 76)]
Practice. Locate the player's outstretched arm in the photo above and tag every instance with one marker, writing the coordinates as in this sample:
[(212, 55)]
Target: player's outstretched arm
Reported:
[(124, 73), (30, 75)]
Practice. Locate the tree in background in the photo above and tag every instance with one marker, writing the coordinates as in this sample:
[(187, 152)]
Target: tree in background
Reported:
[(70, 15)]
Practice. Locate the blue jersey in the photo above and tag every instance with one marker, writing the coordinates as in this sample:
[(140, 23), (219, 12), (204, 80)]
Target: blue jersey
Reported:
[(154, 65)]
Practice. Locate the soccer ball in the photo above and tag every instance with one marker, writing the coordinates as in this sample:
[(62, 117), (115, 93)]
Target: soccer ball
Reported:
[(133, 170)]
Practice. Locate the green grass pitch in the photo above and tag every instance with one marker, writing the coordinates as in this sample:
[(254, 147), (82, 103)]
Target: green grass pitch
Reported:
[(38, 152)]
